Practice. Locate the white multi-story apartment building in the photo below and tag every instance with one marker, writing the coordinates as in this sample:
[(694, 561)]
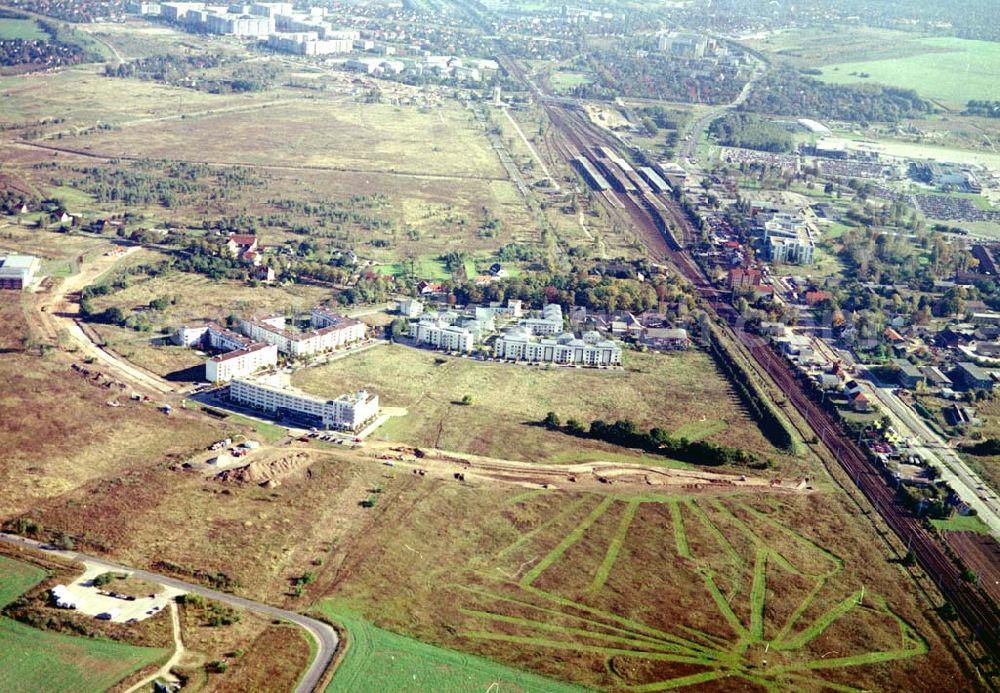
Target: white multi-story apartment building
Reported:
[(242, 356), (440, 334), (348, 412), (551, 321), (789, 239), (241, 362), (519, 344), (211, 336), (336, 332)]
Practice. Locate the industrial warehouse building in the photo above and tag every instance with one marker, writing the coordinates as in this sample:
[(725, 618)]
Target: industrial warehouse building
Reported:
[(17, 271), (347, 413)]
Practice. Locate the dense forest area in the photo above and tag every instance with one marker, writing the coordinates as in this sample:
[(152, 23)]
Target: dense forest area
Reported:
[(620, 71), (788, 92)]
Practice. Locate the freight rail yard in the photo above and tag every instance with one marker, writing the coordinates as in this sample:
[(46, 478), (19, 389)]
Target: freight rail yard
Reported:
[(664, 227)]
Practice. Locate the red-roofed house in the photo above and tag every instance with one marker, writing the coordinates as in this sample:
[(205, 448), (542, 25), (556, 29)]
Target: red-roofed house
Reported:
[(893, 336), (814, 297), (240, 244), (740, 278), (860, 402)]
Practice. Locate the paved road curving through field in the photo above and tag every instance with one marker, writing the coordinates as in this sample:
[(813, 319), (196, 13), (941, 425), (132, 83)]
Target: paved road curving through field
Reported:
[(322, 634)]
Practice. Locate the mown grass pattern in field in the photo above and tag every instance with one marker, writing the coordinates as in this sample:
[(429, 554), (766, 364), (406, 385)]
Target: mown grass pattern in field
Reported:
[(541, 618)]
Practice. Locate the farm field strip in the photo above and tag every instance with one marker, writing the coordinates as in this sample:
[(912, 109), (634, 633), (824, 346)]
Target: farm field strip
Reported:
[(42, 661), (614, 548), (377, 660)]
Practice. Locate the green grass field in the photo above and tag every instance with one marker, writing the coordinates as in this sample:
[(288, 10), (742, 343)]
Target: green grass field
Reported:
[(38, 660), (378, 660), (681, 391), (564, 81), (25, 29), (962, 523), (952, 70), (18, 578)]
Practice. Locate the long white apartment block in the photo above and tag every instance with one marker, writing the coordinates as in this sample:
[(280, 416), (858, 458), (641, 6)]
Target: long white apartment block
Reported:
[(349, 412), (330, 332), (442, 335), (519, 344), (241, 362), (550, 322)]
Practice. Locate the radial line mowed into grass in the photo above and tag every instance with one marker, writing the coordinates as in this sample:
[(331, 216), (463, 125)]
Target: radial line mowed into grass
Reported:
[(567, 542), (683, 681), (634, 634), (758, 594), (680, 536), (559, 517), (822, 623), (643, 645), (578, 647), (636, 625), (614, 548)]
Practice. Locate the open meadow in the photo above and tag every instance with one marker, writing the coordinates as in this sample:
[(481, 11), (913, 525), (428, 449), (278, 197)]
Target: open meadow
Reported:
[(25, 29), (509, 401), (751, 590), (948, 69), (38, 660), (325, 133), (59, 432)]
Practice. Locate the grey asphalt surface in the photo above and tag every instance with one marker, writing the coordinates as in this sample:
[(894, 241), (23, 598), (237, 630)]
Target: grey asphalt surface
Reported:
[(322, 634)]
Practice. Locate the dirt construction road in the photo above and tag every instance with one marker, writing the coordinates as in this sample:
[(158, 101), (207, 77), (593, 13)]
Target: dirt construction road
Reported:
[(58, 311)]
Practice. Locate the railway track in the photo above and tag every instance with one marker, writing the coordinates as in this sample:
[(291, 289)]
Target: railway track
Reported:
[(666, 230)]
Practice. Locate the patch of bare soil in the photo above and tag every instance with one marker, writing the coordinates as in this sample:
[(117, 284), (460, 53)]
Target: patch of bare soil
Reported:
[(268, 473)]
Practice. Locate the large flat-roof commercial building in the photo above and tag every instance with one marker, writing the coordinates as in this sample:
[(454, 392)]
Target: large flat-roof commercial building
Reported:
[(519, 344), (241, 362), (350, 412), (17, 271)]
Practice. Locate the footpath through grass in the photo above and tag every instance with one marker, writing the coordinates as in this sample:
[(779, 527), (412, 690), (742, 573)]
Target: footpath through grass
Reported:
[(378, 660), (40, 660)]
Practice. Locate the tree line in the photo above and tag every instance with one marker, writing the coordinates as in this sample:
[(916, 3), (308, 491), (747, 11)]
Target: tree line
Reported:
[(626, 434)]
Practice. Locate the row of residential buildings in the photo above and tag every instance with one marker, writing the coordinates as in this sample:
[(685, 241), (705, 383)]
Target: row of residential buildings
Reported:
[(535, 338), (309, 33), (259, 341), (349, 412), (592, 349)]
